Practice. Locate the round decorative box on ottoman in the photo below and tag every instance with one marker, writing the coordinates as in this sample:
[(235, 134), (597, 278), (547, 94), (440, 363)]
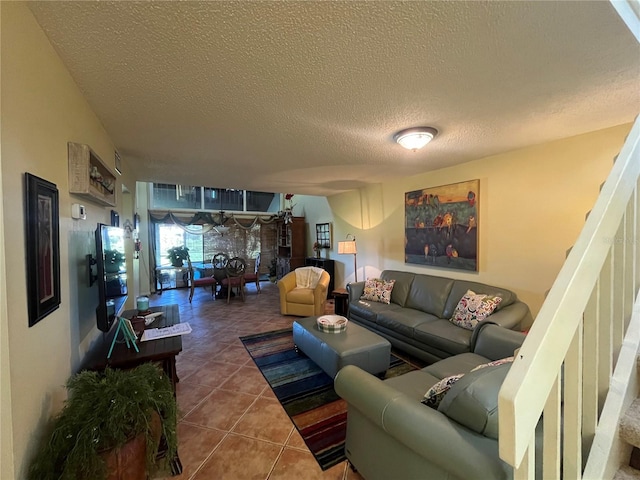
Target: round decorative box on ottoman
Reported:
[(355, 345), (332, 323)]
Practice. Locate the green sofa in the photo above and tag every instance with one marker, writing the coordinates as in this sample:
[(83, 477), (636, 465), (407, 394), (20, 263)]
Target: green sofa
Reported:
[(391, 434), (417, 318)]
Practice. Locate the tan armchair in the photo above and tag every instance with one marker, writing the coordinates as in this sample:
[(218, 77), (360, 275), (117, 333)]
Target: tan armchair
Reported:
[(302, 302)]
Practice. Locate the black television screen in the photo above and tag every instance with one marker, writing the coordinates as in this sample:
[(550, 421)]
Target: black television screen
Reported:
[(111, 275)]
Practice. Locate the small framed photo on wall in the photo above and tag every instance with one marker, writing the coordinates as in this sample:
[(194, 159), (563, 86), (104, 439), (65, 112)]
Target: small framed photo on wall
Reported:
[(323, 235), (115, 218)]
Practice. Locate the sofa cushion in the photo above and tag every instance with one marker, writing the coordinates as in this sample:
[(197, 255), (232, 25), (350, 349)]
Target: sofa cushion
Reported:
[(413, 384), (429, 294), (378, 290), (494, 342), (474, 308), (460, 287), (444, 335), (368, 310), (404, 320), (473, 400), (494, 363), (401, 287), (436, 393), (463, 363), (301, 295)]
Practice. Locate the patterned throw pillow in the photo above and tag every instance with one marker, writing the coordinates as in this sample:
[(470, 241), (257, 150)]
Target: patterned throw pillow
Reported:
[(495, 363), (377, 290), (474, 308), (435, 394)]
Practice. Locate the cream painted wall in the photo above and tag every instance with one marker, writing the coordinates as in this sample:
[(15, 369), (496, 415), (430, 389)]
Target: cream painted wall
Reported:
[(6, 430), (533, 204), (142, 207), (543, 191), (41, 110)]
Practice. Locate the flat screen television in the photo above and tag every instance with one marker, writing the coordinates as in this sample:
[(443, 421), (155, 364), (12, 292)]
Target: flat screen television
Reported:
[(111, 274)]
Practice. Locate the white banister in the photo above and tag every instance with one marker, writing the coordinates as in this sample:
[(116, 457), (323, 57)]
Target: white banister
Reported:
[(579, 331), (607, 451)]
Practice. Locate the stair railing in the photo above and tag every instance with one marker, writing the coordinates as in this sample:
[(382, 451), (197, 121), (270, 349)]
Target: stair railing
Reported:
[(552, 398)]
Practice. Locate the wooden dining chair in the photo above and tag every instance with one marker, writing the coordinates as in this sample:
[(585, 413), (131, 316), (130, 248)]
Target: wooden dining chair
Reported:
[(236, 267), (255, 276), (199, 282), (219, 263)]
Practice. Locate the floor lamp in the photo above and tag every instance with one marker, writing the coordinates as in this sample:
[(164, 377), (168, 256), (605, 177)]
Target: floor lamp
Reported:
[(349, 247)]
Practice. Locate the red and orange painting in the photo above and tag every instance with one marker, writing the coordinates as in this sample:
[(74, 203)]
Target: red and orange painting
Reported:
[(441, 226)]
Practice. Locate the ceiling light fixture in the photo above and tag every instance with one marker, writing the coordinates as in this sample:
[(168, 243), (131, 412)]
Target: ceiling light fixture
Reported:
[(415, 138), (220, 227)]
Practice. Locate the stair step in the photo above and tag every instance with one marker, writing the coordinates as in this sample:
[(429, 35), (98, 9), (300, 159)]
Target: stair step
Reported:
[(630, 424), (627, 473), (634, 461)]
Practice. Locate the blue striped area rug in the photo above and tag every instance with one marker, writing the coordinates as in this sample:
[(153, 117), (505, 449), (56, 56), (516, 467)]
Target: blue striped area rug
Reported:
[(307, 393)]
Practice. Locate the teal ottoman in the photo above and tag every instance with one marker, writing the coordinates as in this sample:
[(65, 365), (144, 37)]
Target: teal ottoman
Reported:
[(332, 351)]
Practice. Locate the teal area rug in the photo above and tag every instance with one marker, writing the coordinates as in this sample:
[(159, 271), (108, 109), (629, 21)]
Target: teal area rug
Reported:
[(307, 393)]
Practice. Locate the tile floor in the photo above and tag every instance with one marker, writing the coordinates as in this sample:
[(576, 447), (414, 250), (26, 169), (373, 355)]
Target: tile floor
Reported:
[(230, 424)]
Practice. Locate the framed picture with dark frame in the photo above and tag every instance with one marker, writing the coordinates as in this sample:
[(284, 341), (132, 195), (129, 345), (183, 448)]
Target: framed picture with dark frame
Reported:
[(43, 247), (323, 235), (441, 226), (115, 218)]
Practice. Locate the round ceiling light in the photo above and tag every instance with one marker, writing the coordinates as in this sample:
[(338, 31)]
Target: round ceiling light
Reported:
[(415, 138)]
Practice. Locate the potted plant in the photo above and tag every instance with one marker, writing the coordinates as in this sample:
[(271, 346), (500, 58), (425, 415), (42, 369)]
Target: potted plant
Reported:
[(112, 260), (177, 255), (107, 413)]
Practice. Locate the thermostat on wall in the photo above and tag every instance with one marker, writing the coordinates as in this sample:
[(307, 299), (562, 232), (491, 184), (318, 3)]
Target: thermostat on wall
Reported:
[(78, 212)]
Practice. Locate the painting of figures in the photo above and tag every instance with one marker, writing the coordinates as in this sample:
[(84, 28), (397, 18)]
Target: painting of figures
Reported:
[(441, 226)]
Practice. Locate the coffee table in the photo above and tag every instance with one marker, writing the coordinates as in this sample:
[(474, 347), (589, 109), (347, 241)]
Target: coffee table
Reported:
[(332, 351)]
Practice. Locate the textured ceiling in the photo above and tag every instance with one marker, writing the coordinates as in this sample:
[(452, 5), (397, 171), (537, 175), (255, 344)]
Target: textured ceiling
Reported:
[(305, 97)]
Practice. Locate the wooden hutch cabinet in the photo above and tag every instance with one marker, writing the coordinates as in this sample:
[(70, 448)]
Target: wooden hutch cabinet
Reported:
[(291, 246)]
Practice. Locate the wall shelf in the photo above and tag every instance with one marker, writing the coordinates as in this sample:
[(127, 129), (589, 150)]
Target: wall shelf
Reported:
[(89, 177)]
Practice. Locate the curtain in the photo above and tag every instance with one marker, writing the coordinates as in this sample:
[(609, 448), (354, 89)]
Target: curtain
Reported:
[(247, 236)]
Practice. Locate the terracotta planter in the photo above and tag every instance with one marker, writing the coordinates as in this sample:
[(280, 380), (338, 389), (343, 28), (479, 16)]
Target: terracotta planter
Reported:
[(130, 461)]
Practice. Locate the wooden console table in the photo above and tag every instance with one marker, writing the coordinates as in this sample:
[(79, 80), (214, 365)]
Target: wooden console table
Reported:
[(163, 351)]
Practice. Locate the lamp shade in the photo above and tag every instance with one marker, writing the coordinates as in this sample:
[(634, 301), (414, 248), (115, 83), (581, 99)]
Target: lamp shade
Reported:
[(415, 138), (347, 247)]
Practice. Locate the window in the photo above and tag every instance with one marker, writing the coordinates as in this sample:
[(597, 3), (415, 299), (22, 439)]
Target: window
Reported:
[(188, 197), (240, 242), (169, 236), (176, 196), (223, 199)]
